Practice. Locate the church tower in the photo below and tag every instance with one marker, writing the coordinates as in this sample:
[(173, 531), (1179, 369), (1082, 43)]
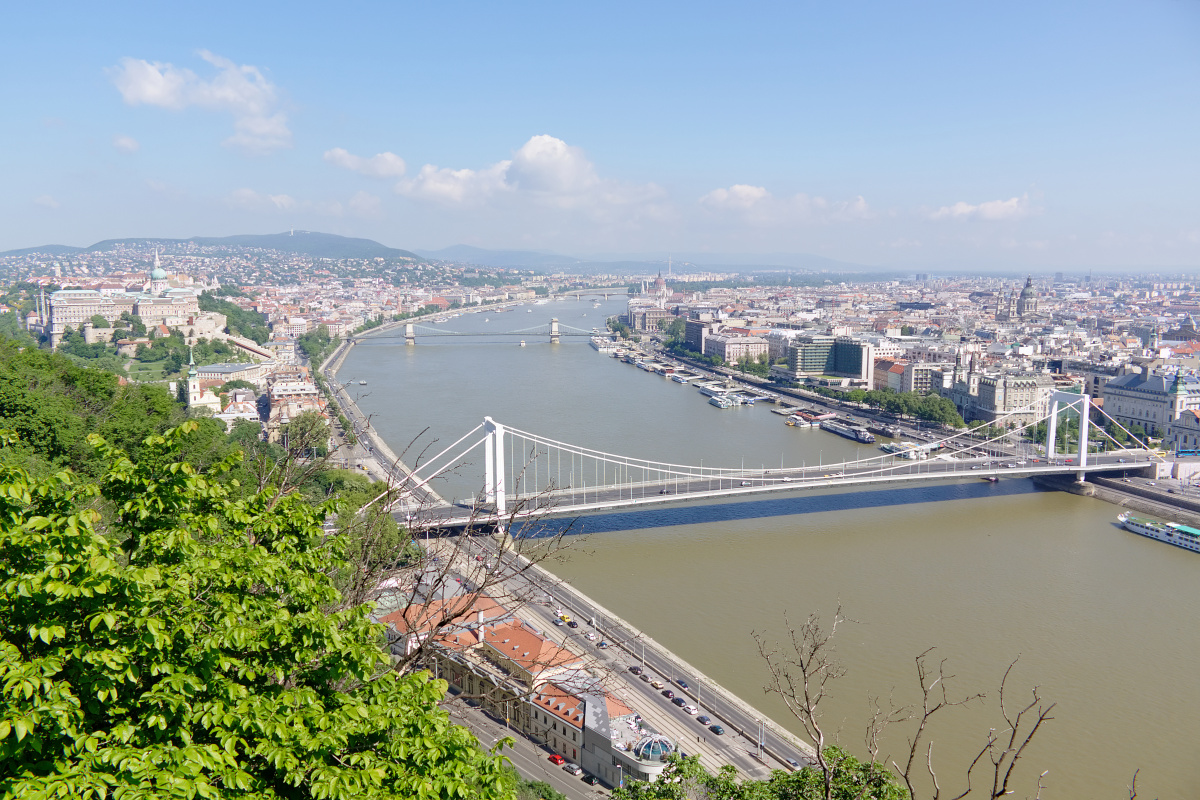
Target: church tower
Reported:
[(1179, 396), (193, 382)]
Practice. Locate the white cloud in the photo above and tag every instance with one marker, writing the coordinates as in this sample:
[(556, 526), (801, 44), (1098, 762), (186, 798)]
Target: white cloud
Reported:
[(126, 144), (45, 201), (240, 90), (251, 200), (545, 172), (756, 205), (365, 204), (547, 164), (381, 165), (989, 211), (739, 197)]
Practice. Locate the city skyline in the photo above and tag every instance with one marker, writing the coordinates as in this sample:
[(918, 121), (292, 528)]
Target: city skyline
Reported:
[(941, 137)]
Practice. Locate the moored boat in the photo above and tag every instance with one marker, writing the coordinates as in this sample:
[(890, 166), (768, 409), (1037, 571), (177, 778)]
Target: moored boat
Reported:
[(854, 432), (721, 401), (1172, 533)]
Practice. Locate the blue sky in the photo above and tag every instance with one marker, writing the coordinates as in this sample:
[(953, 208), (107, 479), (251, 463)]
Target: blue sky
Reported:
[(942, 135)]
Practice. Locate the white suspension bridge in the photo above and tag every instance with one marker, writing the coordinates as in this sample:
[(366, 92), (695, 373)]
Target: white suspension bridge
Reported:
[(527, 475)]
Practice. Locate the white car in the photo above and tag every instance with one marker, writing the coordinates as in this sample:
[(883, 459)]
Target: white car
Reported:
[(574, 769), (691, 710), (591, 637)]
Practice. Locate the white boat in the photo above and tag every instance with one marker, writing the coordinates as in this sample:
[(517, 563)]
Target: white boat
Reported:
[(522, 343), (721, 401), (1172, 533)]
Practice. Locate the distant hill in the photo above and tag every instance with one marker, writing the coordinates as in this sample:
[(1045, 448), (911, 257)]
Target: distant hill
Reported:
[(640, 262), (47, 249), (310, 243), (465, 254)]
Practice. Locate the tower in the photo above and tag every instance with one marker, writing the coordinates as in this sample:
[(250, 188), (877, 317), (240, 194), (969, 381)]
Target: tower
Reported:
[(159, 282), (193, 382), (1178, 396)]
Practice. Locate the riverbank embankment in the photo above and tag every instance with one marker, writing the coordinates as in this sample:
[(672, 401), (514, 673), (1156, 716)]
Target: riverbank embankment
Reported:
[(739, 715)]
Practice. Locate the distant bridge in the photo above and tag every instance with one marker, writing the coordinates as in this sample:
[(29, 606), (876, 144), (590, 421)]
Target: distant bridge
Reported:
[(527, 475), (555, 330)]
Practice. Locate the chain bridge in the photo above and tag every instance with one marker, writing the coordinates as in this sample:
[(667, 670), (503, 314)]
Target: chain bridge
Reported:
[(554, 329)]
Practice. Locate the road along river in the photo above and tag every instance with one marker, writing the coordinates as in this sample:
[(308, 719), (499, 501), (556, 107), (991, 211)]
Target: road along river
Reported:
[(1103, 620)]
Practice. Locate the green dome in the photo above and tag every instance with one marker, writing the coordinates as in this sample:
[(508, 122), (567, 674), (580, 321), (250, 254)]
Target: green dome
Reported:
[(158, 274)]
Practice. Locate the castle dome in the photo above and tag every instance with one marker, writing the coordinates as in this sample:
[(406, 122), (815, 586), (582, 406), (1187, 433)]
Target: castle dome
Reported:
[(158, 274), (1028, 291)]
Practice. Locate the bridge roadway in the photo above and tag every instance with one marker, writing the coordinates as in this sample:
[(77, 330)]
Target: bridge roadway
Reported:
[(569, 501)]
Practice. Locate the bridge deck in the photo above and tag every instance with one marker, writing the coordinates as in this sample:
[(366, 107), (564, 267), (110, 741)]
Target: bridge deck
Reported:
[(569, 502)]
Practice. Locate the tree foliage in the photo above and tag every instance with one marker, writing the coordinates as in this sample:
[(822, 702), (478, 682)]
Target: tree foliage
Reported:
[(685, 778), (238, 321), (194, 647)]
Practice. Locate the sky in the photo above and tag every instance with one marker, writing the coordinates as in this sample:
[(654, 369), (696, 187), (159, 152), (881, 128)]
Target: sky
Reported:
[(940, 135)]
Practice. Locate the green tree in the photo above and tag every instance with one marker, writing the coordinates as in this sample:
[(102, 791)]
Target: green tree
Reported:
[(197, 649)]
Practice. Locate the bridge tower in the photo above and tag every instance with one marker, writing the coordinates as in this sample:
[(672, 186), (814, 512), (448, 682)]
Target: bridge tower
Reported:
[(493, 464), (1085, 408), (410, 334), (554, 334)]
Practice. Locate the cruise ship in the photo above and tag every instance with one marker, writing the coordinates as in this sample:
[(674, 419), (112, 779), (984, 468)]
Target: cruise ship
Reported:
[(721, 401), (849, 431), (1172, 533), (604, 344)]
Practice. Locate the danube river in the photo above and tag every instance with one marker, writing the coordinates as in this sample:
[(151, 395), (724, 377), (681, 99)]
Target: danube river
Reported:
[(1100, 618)]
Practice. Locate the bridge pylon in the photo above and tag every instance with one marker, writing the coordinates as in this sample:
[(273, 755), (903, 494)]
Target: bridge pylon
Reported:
[(1085, 407), (493, 465), (555, 336), (410, 334)]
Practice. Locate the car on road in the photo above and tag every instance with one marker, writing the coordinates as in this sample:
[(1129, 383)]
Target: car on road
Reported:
[(591, 780), (976, 466), (691, 710), (555, 758), (791, 762), (602, 645), (572, 623), (635, 669), (591, 637), (1122, 460), (704, 719), (746, 483), (645, 676), (667, 693), (559, 622), (656, 684), (574, 769), (682, 683), (717, 729), (680, 701)]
